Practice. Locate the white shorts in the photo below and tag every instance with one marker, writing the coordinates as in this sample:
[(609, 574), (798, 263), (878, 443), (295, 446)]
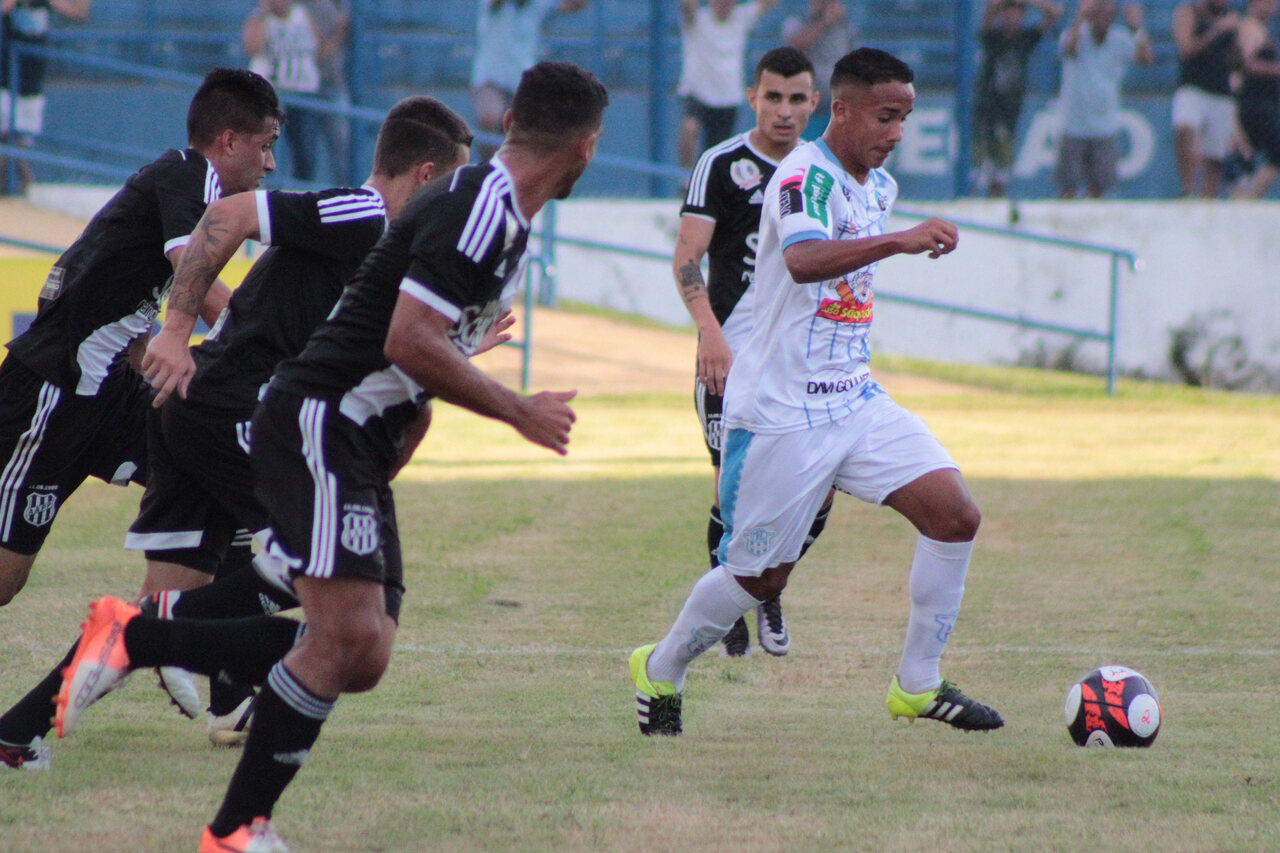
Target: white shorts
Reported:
[(1213, 117), (30, 113), (771, 486)]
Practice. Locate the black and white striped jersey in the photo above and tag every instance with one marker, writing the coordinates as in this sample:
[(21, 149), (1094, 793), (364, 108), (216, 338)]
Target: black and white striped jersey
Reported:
[(727, 188), (317, 241), (106, 288), (458, 247)]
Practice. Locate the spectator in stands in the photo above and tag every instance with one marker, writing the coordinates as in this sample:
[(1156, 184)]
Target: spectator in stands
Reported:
[(26, 22), (1095, 56), (1203, 107), (507, 35), (333, 24), (825, 34), (714, 43), (283, 44), (1007, 43), (1258, 99)]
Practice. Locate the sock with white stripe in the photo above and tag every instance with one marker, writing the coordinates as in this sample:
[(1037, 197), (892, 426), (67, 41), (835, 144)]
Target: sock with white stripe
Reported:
[(286, 723), (716, 602), (936, 586)]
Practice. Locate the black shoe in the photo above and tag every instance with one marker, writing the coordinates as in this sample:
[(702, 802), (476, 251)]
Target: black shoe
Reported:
[(946, 704), (771, 628), (737, 643)]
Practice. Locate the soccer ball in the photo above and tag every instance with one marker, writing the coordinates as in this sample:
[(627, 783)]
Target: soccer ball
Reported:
[(1113, 706)]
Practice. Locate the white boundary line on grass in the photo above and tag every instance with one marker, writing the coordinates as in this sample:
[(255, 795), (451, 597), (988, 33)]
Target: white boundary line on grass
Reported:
[(556, 651)]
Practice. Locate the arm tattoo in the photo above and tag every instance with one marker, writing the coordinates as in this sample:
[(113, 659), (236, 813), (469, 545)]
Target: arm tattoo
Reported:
[(212, 245), (692, 287)]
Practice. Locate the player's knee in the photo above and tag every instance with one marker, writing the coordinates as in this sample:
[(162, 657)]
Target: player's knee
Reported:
[(961, 525), (14, 569), (377, 656)]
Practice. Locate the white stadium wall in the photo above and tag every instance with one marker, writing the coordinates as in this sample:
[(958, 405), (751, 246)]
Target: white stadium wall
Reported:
[(1209, 269)]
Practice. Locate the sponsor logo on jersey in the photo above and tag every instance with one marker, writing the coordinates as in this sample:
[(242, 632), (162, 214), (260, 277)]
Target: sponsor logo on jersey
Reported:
[(855, 302), (817, 191), (359, 530), (745, 173), (882, 200), (829, 382), (791, 201), (41, 508), (758, 540)]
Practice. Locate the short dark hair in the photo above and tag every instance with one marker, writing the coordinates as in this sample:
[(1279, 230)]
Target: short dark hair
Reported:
[(783, 61), (555, 101), (869, 66), (419, 129), (230, 99)]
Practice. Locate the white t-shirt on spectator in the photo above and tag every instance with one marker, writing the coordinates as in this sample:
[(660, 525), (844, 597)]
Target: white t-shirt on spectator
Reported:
[(713, 51)]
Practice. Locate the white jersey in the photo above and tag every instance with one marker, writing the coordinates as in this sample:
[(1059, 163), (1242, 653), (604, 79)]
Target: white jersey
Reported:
[(805, 362)]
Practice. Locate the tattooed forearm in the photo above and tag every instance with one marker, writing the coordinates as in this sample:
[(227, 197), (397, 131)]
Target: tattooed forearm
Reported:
[(692, 287), (212, 244)]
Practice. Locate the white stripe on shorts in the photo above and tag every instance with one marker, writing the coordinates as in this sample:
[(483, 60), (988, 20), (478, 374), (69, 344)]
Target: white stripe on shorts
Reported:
[(324, 514), (15, 471)]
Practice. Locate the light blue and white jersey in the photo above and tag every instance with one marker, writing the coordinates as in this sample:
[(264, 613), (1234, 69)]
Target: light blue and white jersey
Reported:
[(805, 362)]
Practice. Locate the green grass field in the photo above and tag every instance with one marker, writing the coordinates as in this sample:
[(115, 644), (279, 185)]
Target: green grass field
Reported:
[(1141, 529)]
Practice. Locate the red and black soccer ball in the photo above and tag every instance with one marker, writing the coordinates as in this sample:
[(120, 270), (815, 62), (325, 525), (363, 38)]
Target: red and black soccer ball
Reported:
[(1113, 706)]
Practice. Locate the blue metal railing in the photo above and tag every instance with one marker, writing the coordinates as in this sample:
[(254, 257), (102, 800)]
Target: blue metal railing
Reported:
[(1110, 335)]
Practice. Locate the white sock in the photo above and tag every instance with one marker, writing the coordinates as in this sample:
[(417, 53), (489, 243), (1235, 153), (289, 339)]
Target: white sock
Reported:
[(937, 585), (716, 602)]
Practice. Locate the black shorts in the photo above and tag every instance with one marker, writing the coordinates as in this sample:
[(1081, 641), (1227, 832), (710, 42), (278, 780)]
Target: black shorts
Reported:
[(52, 440), (717, 122), (709, 408), (199, 487), (327, 495)]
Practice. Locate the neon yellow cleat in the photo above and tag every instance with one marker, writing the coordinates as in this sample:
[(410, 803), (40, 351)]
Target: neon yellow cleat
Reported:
[(945, 703), (657, 703)]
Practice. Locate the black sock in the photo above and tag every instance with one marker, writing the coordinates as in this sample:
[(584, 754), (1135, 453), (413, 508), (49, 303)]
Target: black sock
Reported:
[(286, 723), (240, 593), (226, 696), (815, 529), (32, 715), (243, 649), (715, 530)]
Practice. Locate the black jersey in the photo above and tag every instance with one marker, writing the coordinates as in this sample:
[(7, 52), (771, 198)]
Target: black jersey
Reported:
[(106, 289), (318, 240), (727, 187), (458, 247)]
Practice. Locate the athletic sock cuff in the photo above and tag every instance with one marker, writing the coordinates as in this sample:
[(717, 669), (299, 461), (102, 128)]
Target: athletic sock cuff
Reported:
[(736, 593), (296, 695)]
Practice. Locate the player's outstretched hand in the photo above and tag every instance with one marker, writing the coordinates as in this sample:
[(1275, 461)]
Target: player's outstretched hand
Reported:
[(497, 334), (714, 360), (168, 365), (936, 236), (545, 419)]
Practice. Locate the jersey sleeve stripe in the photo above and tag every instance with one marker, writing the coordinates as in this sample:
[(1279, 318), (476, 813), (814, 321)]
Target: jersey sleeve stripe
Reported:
[(212, 189), (419, 291), (368, 213), (486, 215), (264, 217), (697, 195), (804, 237)]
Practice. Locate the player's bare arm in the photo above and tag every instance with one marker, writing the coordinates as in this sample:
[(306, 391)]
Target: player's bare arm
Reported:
[(821, 260), (418, 343), (714, 356), (196, 291)]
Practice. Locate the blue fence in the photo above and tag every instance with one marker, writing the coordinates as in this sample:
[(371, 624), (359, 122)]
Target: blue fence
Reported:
[(402, 46)]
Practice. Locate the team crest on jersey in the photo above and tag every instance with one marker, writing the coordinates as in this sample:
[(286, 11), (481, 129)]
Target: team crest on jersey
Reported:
[(359, 529), (40, 509), (745, 173), (758, 540), (791, 201), (854, 304)]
